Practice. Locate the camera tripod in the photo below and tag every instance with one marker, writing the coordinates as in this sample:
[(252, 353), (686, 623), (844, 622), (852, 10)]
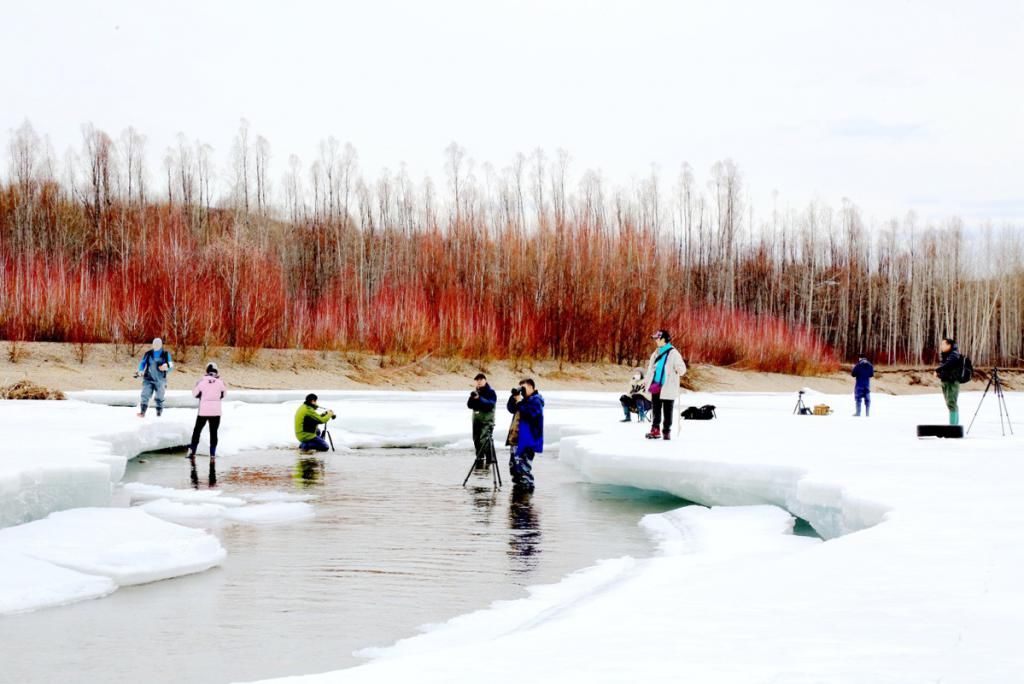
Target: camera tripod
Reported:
[(801, 408), (491, 462), (327, 433), (996, 385)]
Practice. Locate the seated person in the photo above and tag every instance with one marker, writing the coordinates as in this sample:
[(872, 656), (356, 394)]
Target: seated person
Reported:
[(307, 425), (637, 399)]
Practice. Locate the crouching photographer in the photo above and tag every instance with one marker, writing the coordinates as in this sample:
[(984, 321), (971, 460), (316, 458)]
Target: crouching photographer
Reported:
[(527, 405), (308, 420)]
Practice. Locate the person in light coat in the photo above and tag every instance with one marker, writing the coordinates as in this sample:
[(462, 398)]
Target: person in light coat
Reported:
[(664, 370), (209, 391)]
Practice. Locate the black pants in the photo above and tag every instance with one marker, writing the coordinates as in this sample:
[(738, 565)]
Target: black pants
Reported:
[(663, 405), (198, 430)]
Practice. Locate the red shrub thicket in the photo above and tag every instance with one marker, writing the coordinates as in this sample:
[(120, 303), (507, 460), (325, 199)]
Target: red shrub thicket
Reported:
[(518, 266)]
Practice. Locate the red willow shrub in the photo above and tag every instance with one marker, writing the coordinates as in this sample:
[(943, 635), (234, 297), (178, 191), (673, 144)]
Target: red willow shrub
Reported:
[(91, 266)]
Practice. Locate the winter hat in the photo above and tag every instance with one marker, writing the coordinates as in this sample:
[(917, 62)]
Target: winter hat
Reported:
[(211, 369), (157, 343)]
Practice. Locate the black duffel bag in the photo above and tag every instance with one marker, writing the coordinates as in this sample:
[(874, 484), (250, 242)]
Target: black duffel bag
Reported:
[(705, 412)]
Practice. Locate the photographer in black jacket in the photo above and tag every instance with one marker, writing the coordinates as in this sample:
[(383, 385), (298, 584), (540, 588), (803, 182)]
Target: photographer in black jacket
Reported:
[(482, 401)]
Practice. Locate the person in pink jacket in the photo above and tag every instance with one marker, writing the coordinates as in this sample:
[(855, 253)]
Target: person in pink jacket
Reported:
[(209, 390)]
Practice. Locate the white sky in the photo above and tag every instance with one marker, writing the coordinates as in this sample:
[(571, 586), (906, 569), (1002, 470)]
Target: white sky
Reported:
[(897, 105)]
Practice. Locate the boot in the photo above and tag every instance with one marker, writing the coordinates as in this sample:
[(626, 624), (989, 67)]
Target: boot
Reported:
[(655, 433), (667, 436), (954, 417), (627, 418)]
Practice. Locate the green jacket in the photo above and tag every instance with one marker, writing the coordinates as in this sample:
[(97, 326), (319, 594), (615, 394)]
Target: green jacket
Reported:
[(306, 421)]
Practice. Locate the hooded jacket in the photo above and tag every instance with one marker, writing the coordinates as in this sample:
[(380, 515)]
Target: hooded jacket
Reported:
[(209, 390), (307, 420), (531, 422)]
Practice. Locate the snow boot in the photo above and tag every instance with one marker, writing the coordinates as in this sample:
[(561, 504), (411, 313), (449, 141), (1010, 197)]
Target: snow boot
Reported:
[(655, 433), (627, 419), (667, 436), (954, 417)]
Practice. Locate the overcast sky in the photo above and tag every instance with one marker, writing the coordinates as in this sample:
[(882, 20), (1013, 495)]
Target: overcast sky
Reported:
[(897, 105)]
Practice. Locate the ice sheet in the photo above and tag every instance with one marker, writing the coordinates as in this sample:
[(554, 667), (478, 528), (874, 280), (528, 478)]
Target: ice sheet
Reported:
[(125, 544), (919, 581), (30, 584)]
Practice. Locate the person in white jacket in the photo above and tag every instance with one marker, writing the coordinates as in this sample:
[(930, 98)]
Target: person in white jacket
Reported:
[(664, 370)]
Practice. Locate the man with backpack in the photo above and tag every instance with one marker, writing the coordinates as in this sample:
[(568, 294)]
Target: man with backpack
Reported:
[(155, 365), (863, 371), (953, 369)]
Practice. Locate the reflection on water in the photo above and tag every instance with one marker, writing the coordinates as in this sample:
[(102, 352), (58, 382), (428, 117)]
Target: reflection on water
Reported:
[(309, 471), (211, 478), (524, 531), (397, 542)]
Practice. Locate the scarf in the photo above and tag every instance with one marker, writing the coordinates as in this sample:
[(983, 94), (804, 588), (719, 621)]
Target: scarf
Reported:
[(659, 364)]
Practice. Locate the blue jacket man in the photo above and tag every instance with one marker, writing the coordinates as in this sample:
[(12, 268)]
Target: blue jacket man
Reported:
[(863, 371), (529, 404), (155, 365)]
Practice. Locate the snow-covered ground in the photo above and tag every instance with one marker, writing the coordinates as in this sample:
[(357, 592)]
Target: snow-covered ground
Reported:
[(918, 581)]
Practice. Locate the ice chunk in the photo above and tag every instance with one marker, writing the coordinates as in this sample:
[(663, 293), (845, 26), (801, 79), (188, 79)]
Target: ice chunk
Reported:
[(125, 544), (269, 513), (139, 491), (175, 511), (696, 529), (29, 584)]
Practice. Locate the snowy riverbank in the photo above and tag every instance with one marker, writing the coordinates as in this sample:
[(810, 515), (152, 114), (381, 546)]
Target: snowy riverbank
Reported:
[(918, 581)]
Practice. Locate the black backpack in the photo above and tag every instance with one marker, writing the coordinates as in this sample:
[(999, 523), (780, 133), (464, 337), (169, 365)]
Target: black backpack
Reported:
[(705, 412), (966, 370)]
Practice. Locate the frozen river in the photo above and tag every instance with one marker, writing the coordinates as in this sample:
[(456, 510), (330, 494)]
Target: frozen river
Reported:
[(396, 543)]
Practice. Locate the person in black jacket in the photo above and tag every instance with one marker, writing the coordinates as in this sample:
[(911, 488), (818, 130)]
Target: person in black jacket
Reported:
[(482, 401), (863, 371), (950, 366)]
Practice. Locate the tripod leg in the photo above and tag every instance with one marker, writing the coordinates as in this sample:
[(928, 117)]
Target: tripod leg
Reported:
[(471, 469), (1003, 409), (979, 405)]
